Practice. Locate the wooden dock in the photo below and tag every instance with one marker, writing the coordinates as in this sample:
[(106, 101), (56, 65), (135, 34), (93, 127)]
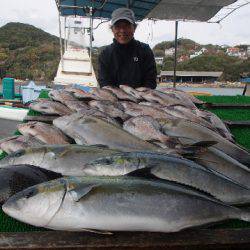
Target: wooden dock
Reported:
[(188, 239)]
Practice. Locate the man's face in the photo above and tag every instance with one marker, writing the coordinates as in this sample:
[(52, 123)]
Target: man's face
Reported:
[(123, 31)]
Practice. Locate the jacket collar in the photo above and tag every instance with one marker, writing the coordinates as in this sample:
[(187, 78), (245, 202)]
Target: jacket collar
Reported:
[(124, 46)]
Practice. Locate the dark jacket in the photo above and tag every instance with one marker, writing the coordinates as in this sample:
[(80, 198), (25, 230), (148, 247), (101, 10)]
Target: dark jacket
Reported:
[(131, 64)]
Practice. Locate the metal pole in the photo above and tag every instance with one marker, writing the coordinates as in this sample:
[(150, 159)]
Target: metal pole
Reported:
[(60, 33), (65, 46), (175, 53), (128, 4), (91, 36)]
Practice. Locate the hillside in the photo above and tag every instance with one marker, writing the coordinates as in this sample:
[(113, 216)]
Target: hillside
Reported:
[(28, 52), (192, 56)]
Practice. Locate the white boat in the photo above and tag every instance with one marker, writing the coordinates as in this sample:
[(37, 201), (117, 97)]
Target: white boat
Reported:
[(75, 66)]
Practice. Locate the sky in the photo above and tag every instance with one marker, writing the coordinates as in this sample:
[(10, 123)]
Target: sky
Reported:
[(43, 14)]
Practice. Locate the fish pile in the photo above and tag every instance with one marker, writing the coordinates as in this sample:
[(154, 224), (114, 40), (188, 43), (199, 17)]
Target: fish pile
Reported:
[(123, 159)]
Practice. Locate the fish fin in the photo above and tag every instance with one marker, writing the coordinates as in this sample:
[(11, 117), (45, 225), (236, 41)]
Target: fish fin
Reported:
[(204, 143), (195, 148), (97, 231), (142, 172), (152, 140), (79, 192)]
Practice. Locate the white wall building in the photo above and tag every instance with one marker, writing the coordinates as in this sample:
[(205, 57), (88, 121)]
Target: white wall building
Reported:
[(169, 52), (159, 60), (248, 51)]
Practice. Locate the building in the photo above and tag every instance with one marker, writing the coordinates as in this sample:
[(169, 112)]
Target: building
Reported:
[(159, 60), (183, 58), (198, 53), (190, 76), (248, 51), (169, 52)]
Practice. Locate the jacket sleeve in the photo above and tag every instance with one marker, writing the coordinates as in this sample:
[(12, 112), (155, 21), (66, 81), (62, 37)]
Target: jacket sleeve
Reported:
[(103, 70), (150, 72)]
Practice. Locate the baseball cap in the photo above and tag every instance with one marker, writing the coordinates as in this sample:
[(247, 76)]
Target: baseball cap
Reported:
[(122, 14)]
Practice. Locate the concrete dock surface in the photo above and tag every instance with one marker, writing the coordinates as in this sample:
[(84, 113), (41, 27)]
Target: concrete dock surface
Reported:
[(7, 128)]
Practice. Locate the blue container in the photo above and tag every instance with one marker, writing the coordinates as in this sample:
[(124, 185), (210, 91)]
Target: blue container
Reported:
[(8, 88)]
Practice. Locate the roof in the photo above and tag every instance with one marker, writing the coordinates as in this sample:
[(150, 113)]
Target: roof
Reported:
[(200, 10), (192, 73)]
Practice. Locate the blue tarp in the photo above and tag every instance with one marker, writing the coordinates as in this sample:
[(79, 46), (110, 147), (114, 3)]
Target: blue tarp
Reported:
[(200, 10), (141, 8)]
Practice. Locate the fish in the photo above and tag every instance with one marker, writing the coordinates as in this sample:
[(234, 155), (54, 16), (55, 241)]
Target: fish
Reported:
[(143, 89), (146, 128), (131, 91), (172, 168), (90, 130), (120, 94), (40, 118), (50, 108), (61, 96), (15, 143), (184, 95), (44, 132), (90, 112), (184, 113), (113, 109), (16, 178), (96, 94), (190, 132), (220, 162), (166, 99), (69, 159), (134, 109), (216, 123), (106, 204), (76, 105)]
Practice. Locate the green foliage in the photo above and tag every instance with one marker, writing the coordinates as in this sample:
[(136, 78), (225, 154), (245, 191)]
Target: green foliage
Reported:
[(27, 52)]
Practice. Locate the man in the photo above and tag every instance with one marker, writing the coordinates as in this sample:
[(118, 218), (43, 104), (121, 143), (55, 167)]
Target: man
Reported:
[(126, 61)]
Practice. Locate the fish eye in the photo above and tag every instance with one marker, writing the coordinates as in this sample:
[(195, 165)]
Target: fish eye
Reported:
[(19, 153)]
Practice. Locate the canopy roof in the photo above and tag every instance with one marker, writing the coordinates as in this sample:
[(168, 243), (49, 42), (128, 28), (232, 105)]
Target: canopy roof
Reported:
[(199, 10)]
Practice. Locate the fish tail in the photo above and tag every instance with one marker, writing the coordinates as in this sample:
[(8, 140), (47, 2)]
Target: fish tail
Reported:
[(168, 141)]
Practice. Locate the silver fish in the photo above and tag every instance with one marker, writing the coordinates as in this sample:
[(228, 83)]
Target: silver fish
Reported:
[(64, 159), (189, 132), (220, 162), (172, 168), (89, 130), (116, 204)]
